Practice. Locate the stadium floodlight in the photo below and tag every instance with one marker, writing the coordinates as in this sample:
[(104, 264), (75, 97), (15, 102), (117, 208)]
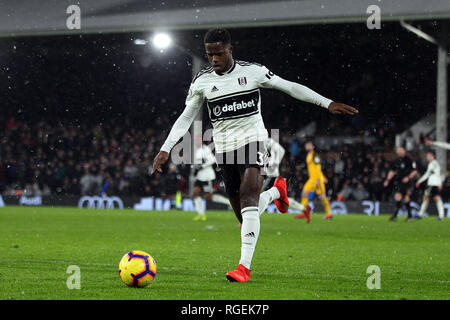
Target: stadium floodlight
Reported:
[(418, 32), (161, 41), (140, 42), (441, 97)]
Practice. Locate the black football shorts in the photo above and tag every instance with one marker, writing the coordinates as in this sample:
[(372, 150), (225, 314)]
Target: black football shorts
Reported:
[(233, 164)]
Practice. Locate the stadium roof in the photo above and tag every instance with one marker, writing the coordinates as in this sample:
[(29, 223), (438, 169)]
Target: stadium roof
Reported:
[(38, 17)]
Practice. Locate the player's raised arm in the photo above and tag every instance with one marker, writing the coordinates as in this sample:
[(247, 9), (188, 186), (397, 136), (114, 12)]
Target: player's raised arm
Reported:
[(303, 93), (194, 101), (439, 144)]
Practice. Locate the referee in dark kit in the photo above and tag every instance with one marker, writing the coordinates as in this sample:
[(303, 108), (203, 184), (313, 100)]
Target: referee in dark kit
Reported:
[(402, 171)]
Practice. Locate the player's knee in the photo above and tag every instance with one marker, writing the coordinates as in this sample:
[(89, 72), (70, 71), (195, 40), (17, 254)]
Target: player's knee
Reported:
[(249, 196), (196, 191), (207, 196)]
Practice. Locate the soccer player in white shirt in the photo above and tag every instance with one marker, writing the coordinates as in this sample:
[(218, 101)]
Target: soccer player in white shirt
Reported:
[(231, 91), (276, 152), (204, 178), (434, 181)]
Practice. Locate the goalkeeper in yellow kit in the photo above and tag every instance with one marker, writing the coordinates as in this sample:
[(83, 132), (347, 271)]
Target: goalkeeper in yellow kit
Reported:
[(315, 184)]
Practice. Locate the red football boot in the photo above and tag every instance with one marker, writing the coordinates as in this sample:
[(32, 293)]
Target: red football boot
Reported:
[(306, 214), (241, 274), (283, 202), (328, 217)]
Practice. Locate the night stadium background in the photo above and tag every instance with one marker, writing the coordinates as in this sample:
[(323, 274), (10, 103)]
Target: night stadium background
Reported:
[(93, 95), (84, 114)]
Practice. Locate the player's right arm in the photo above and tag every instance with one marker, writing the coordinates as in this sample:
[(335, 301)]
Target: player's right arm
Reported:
[(194, 102), (425, 176), (412, 174)]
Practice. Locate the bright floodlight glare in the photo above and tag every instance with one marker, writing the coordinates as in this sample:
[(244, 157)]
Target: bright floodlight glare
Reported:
[(161, 40), (140, 42)]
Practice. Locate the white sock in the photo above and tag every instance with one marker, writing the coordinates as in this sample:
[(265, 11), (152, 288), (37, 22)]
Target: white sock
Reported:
[(267, 197), (294, 204), (423, 207), (220, 199), (199, 205), (440, 207), (249, 234)]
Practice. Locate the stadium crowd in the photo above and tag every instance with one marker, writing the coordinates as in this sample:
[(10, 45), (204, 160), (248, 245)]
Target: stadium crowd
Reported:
[(116, 159)]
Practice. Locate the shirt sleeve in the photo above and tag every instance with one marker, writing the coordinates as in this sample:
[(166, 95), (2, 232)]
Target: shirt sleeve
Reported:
[(441, 144), (194, 101), (267, 79), (393, 166), (427, 173)]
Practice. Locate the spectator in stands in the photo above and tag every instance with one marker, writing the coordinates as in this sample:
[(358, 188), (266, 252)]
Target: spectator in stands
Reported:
[(346, 191), (87, 182), (410, 143), (360, 193), (115, 158)]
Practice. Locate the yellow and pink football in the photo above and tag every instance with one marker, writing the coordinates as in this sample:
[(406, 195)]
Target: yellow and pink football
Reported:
[(137, 269)]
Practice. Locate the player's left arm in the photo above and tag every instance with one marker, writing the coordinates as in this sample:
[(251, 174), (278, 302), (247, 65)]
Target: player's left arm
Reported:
[(414, 172), (425, 176), (303, 93)]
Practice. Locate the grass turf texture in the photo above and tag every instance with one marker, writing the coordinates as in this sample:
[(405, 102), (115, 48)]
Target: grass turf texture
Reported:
[(293, 260)]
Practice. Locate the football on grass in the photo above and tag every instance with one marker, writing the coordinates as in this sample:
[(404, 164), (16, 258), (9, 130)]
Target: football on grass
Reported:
[(137, 269)]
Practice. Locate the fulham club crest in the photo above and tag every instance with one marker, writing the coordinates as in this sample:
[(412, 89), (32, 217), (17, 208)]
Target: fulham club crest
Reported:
[(242, 81)]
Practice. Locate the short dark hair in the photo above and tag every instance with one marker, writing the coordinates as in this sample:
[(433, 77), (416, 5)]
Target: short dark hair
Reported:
[(432, 152), (217, 35)]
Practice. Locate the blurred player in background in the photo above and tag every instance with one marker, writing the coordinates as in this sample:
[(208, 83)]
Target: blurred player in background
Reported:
[(276, 154), (315, 184), (402, 170), (434, 186), (204, 178)]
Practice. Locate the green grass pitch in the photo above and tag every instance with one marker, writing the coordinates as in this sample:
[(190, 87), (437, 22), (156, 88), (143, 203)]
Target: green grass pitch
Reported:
[(293, 260)]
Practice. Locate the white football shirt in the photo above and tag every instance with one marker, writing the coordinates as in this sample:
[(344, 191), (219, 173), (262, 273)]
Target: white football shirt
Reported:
[(433, 174), (233, 101)]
